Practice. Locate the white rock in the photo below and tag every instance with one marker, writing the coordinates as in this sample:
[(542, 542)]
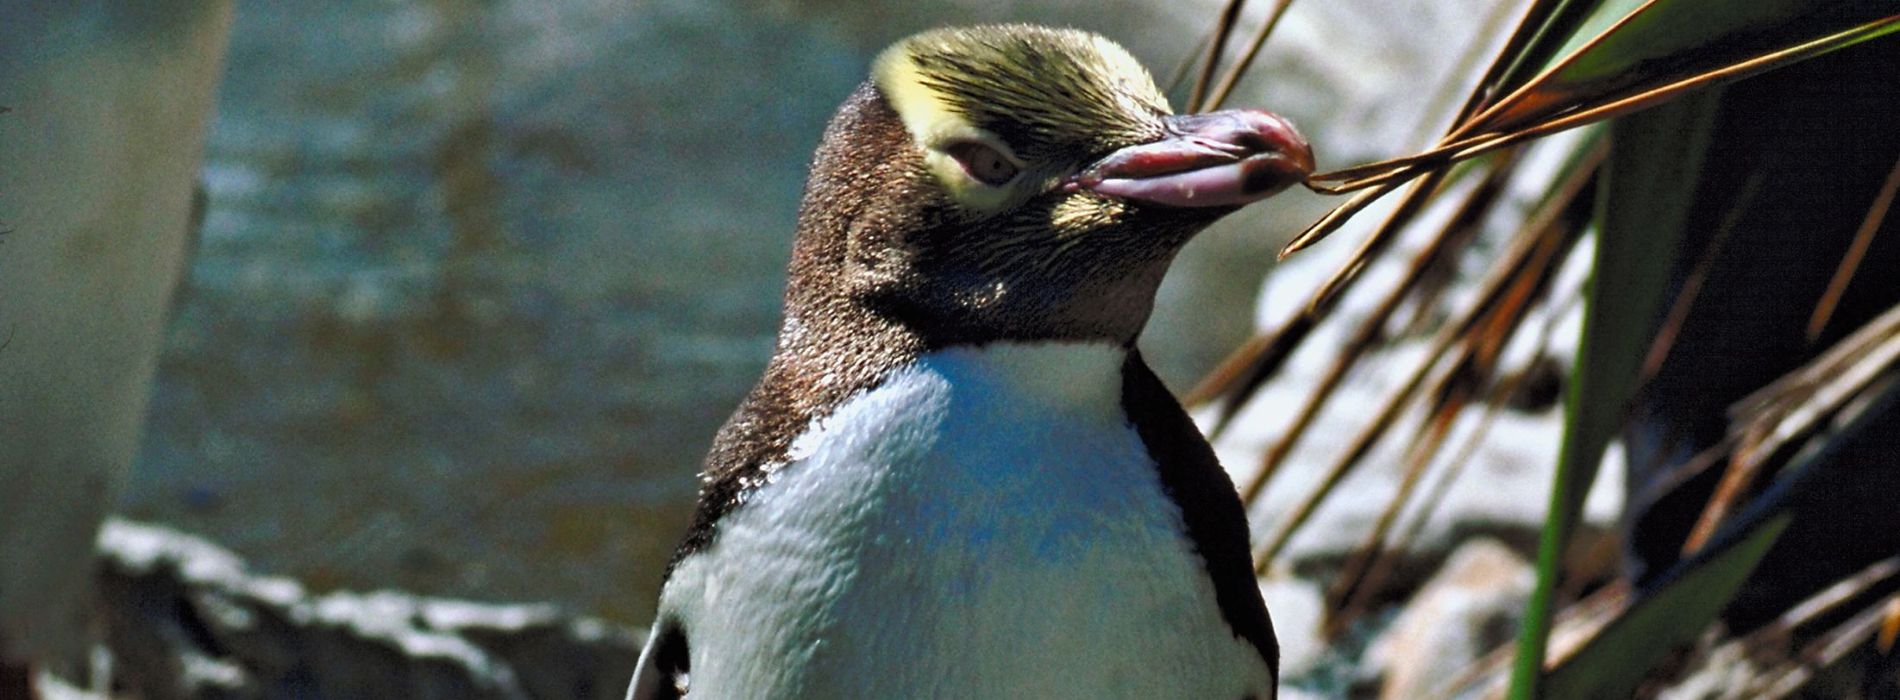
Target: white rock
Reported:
[(1298, 608), (1467, 609), (186, 618)]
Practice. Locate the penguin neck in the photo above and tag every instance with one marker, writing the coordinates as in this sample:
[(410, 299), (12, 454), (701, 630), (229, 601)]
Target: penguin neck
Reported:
[(838, 349), (1069, 376)]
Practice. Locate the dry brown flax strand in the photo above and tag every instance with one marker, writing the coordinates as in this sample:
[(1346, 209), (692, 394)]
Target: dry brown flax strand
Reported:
[(1368, 332), (1850, 262), (1775, 427), (1232, 78), (1454, 388), (1566, 220), (1223, 27), (1382, 173)]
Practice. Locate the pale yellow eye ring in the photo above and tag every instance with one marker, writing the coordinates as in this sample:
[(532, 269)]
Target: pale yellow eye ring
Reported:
[(982, 162)]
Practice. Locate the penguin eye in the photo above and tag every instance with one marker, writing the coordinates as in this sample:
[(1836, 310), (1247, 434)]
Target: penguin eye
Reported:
[(987, 165)]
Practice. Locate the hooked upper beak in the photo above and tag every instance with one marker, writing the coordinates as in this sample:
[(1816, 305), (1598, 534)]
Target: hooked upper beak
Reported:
[(1228, 158)]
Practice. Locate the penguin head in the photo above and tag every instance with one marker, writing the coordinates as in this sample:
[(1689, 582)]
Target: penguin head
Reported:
[(1021, 183)]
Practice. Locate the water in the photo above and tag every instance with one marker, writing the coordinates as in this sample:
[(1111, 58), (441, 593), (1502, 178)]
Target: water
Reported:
[(476, 285)]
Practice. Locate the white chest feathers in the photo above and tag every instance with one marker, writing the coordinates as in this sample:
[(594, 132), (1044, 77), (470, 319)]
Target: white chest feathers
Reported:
[(984, 524)]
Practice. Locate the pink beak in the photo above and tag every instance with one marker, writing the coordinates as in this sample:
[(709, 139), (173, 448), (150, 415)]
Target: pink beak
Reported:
[(1220, 159)]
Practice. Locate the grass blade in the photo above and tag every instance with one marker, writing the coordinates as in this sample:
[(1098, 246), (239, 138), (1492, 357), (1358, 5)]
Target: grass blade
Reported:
[(1650, 180), (1612, 663)]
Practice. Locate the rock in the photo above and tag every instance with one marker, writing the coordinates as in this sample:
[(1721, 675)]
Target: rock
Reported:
[(1299, 609), (1468, 608), (1725, 673), (186, 619), (1298, 694), (53, 687)]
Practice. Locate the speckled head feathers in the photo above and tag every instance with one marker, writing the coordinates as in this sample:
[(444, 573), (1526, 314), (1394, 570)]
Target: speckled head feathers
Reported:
[(1012, 182), (1052, 94)]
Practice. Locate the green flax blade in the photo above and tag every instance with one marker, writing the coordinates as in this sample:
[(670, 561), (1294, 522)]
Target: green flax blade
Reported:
[(1643, 203)]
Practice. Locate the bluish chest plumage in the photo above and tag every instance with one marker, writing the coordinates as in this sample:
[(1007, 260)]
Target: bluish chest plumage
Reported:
[(985, 522)]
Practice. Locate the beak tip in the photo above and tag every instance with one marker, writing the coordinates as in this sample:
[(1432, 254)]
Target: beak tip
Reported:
[(1228, 158), (1304, 159), (1281, 136), (1280, 157)]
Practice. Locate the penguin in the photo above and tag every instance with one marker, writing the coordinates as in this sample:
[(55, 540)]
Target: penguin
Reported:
[(957, 477)]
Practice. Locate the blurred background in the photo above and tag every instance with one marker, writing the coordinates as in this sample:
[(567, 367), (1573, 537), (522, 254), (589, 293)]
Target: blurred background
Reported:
[(472, 285), (477, 281)]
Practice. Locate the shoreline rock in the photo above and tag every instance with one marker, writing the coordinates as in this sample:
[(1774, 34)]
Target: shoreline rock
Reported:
[(186, 618)]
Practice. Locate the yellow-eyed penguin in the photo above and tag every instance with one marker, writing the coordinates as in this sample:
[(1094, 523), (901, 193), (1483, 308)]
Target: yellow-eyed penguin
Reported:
[(957, 478)]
